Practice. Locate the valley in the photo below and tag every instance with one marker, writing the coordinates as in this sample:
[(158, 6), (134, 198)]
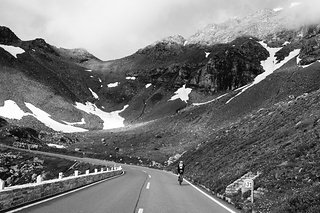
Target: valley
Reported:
[(227, 103)]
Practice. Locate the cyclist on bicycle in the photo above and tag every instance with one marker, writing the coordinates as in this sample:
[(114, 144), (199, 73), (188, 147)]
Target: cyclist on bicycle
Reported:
[(180, 169)]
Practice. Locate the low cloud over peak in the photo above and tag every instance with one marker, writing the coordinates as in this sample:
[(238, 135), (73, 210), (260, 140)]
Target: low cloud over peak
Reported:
[(112, 29)]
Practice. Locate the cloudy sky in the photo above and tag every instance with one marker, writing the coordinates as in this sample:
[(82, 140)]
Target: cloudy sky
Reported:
[(115, 28)]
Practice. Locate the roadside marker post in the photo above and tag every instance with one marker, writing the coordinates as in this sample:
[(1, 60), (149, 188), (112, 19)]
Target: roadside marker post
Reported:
[(39, 179), (1, 184), (248, 184)]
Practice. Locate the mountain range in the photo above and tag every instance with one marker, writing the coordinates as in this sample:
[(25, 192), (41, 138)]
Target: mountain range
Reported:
[(225, 100)]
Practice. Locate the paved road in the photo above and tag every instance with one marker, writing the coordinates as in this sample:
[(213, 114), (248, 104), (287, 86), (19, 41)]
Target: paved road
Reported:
[(139, 190)]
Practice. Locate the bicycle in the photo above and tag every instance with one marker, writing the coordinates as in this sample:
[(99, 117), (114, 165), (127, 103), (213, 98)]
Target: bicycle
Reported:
[(180, 179)]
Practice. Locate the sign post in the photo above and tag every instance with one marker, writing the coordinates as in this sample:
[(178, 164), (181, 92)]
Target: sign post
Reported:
[(248, 184)]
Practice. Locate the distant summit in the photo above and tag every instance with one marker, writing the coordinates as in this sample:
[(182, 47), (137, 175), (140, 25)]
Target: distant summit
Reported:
[(7, 36)]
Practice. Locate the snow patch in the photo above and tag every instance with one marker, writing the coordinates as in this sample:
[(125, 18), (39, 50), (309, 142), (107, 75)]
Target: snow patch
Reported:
[(89, 70), (286, 43), (91, 76), (12, 50), (185, 43), (131, 78), (56, 146), (94, 94), (100, 80), (182, 93), (148, 85), (46, 119), (207, 54), (269, 66), (215, 99), (110, 119), (11, 110), (303, 66), (76, 123), (277, 9), (113, 84)]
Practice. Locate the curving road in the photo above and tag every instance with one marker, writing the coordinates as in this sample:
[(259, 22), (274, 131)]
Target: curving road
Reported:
[(139, 190)]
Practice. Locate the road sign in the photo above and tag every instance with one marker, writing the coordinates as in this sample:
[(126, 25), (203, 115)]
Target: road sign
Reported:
[(248, 183)]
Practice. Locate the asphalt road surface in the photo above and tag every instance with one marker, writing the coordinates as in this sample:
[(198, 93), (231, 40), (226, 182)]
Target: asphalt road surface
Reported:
[(139, 190)]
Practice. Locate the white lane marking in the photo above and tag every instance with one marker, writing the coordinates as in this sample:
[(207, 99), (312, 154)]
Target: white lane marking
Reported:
[(60, 195), (149, 176), (211, 198), (148, 185), (140, 211), (208, 196), (144, 171)]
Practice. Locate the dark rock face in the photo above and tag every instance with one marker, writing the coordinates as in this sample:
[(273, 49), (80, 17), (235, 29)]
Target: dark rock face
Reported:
[(310, 51), (228, 66), (3, 122), (7, 36), (306, 38), (231, 65)]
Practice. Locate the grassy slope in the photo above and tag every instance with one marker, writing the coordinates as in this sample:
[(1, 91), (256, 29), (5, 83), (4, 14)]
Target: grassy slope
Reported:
[(280, 140)]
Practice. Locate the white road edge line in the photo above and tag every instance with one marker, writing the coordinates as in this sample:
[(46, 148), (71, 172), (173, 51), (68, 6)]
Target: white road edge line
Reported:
[(211, 198), (60, 195), (140, 211), (208, 196), (148, 185)]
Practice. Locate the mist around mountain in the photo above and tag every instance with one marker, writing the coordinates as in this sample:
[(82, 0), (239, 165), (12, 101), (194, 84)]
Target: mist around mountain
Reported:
[(236, 98)]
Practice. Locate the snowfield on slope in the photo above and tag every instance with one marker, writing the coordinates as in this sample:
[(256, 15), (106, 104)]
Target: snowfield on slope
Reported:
[(182, 93), (46, 119), (111, 120), (215, 99), (12, 50), (11, 110), (269, 65)]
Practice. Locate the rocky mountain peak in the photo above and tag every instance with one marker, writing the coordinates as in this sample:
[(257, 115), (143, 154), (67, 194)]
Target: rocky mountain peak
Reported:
[(171, 43), (7, 36), (259, 24), (78, 55), (175, 39)]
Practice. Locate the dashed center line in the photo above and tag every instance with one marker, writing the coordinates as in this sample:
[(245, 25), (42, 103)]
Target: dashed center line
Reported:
[(149, 176), (140, 210), (148, 185)]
